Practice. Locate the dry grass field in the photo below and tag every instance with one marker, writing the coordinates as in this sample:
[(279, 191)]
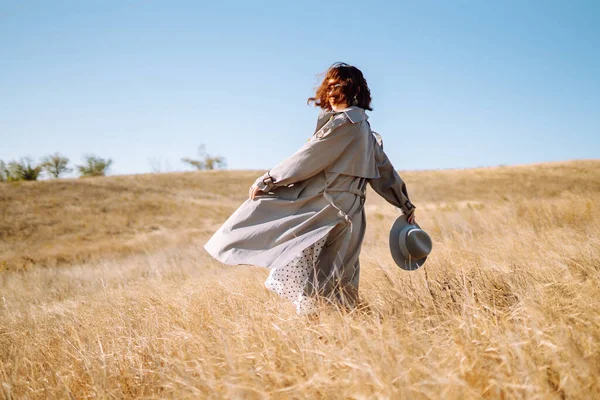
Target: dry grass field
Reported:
[(106, 292)]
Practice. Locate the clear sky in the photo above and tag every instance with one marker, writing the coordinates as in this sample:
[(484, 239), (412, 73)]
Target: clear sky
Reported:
[(454, 83)]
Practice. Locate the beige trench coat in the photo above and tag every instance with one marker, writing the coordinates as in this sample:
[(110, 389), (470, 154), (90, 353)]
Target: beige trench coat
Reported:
[(318, 191)]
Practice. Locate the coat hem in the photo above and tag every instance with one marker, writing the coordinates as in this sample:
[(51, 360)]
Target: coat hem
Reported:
[(227, 260)]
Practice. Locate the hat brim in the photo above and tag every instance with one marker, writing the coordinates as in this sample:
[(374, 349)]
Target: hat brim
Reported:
[(408, 264)]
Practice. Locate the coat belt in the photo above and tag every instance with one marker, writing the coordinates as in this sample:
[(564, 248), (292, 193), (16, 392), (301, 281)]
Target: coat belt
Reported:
[(341, 213), (351, 190)]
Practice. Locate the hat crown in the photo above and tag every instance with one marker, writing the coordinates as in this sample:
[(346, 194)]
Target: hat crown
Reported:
[(409, 244), (418, 243)]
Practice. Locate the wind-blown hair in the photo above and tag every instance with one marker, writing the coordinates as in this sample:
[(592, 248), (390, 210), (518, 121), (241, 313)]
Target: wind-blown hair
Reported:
[(342, 83)]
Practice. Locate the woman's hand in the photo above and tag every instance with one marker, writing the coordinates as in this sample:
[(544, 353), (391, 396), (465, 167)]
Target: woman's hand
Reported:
[(411, 218), (253, 191)]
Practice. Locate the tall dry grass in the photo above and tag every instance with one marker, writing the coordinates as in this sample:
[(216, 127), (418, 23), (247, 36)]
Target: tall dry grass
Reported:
[(506, 307)]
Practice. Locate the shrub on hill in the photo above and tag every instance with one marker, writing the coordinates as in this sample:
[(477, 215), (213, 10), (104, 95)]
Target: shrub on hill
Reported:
[(55, 165), (205, 160), (22, 170), (94, 166)]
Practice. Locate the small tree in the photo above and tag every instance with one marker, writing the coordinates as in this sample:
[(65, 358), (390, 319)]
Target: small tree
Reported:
[(216, 162), (55, 165), (23, 170), (94, 166), (205, 161)]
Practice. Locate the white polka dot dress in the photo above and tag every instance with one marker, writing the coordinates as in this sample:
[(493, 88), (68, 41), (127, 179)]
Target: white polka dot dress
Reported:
[(289, 280)]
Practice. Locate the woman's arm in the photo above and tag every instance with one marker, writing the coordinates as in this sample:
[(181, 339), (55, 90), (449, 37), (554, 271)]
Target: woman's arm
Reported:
[(389, 185), (313, 157)]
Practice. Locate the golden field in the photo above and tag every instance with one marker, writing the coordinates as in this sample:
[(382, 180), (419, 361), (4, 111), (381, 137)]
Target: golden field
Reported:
[(106, 292)]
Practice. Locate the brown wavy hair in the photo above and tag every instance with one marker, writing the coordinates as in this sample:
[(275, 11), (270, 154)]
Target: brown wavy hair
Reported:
[(342, 83)]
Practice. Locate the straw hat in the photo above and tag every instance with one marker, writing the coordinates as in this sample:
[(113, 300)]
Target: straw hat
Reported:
[(409, 244)]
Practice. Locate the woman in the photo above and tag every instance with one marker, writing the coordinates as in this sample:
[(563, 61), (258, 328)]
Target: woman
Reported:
[(305, 218)]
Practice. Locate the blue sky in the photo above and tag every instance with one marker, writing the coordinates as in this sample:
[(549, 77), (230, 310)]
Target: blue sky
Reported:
[(455, 84)]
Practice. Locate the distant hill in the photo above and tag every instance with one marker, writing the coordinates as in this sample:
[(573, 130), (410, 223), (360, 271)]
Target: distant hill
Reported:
[(69, 221)]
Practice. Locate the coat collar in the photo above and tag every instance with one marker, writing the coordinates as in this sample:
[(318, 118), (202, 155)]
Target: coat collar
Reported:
[(354, 113)]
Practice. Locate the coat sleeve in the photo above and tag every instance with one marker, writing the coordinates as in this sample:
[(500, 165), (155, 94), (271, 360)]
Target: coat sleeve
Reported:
[(389, 185), (313, 157)]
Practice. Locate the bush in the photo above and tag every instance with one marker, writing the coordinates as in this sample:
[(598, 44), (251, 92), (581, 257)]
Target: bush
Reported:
[(94, 166), (55, 165), (206, 161), (23, 170)]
